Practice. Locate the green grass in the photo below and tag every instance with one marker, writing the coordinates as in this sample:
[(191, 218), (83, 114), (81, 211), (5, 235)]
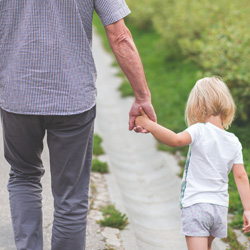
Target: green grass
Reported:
[(113, 218), (99, 166), (97, 148), (232, 241)]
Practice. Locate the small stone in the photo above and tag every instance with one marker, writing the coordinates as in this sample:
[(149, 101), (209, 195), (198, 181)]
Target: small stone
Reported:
[(102, 197), (99, 204), (95, 215), (110, 230), (113, 242)]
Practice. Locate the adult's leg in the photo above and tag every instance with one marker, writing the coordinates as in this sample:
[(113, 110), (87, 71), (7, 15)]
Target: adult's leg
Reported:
[(197, 243), (23, 145), (70, 140), (210, 241)]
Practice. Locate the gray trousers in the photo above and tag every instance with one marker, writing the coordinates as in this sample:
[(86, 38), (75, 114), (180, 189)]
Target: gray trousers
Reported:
[(70, 140)]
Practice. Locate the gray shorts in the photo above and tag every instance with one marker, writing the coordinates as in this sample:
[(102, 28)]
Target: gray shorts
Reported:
[(204, 219)]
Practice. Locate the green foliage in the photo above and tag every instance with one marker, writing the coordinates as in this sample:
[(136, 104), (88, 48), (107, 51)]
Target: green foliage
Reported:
[(233, 242), (142, 12), (99, 166), (214, 34), (97, 148), (126, 89), (113, 218)]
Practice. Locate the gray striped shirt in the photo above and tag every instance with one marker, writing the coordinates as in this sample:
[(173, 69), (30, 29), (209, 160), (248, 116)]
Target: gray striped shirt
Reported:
[(46, 63)]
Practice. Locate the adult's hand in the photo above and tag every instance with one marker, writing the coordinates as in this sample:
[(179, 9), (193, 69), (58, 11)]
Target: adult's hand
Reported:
[(135, 111)]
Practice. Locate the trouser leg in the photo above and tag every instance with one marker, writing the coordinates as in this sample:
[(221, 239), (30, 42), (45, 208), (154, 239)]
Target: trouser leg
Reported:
[(70, 146), (23, 144)]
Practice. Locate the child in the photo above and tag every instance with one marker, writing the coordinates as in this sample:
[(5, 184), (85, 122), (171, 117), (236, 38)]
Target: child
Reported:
[(213, 152)]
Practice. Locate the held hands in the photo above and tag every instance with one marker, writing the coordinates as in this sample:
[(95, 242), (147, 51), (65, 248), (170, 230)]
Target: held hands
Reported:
[(135, 112), (142, 121), (246, 219)]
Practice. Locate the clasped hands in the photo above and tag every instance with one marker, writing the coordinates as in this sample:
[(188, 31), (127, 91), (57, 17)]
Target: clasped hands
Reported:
[(139, 116)]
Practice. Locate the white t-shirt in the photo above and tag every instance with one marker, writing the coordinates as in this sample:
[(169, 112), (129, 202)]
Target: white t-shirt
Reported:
[(212, 153)]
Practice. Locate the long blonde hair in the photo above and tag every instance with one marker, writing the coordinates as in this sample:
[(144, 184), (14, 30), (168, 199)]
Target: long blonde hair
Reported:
[(210, 96)]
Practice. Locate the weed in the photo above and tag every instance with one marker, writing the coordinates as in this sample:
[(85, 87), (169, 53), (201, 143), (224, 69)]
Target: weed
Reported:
[(97, 148), (113, 218), (99, 166), (232, 240)]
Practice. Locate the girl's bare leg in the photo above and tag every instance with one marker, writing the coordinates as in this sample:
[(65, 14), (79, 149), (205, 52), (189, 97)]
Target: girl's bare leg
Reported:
[(197, 243)]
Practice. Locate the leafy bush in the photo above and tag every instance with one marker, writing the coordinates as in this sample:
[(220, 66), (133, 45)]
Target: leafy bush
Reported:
[(142, 12), (214, 34)]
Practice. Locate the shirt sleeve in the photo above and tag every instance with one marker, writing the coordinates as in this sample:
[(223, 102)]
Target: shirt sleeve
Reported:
[(239, 156), (111, 11), (194, 131)]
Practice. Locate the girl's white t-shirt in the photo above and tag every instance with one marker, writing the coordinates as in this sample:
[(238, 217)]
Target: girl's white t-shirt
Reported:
[(213, 151)]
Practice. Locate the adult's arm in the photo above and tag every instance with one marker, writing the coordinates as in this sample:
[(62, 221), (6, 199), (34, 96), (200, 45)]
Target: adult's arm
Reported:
[(125, 51)]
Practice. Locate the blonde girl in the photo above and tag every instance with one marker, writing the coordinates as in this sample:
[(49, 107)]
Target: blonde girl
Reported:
[(213, 153)]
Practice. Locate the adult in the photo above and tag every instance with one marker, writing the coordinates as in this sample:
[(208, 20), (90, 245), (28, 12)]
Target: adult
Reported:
[(47, 83)]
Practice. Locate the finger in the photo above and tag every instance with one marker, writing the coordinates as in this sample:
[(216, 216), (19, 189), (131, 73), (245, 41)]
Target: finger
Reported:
[(131, 122), (144, 131), (149, 111), (246, 227), (138, 129), (142, 111)]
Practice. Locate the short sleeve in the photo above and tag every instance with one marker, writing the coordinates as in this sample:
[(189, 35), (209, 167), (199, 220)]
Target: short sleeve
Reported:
[(111, 11), (194, 131), (239, 156)]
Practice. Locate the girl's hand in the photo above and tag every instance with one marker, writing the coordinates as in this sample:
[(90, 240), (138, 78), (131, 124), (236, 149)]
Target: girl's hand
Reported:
[(142, 120), (246, 219)]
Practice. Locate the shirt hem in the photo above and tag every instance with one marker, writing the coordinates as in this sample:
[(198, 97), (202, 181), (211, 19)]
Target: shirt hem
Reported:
[(50, 113), (224, 204)]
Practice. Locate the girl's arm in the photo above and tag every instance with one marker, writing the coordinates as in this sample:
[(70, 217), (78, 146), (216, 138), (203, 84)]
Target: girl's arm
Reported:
[(164, 135), (242, 184)]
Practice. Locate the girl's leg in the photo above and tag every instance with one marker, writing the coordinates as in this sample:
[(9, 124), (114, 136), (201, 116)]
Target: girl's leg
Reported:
[(197, 243), (210, 241)]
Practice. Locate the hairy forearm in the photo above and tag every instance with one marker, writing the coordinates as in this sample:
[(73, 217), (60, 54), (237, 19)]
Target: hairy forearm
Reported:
[(242, 183), (124, 49)]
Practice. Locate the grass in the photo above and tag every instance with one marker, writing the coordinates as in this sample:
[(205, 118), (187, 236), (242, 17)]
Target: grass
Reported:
[(99, 166), (232, 241), (97, 148), (113, 218), (170, 81)]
